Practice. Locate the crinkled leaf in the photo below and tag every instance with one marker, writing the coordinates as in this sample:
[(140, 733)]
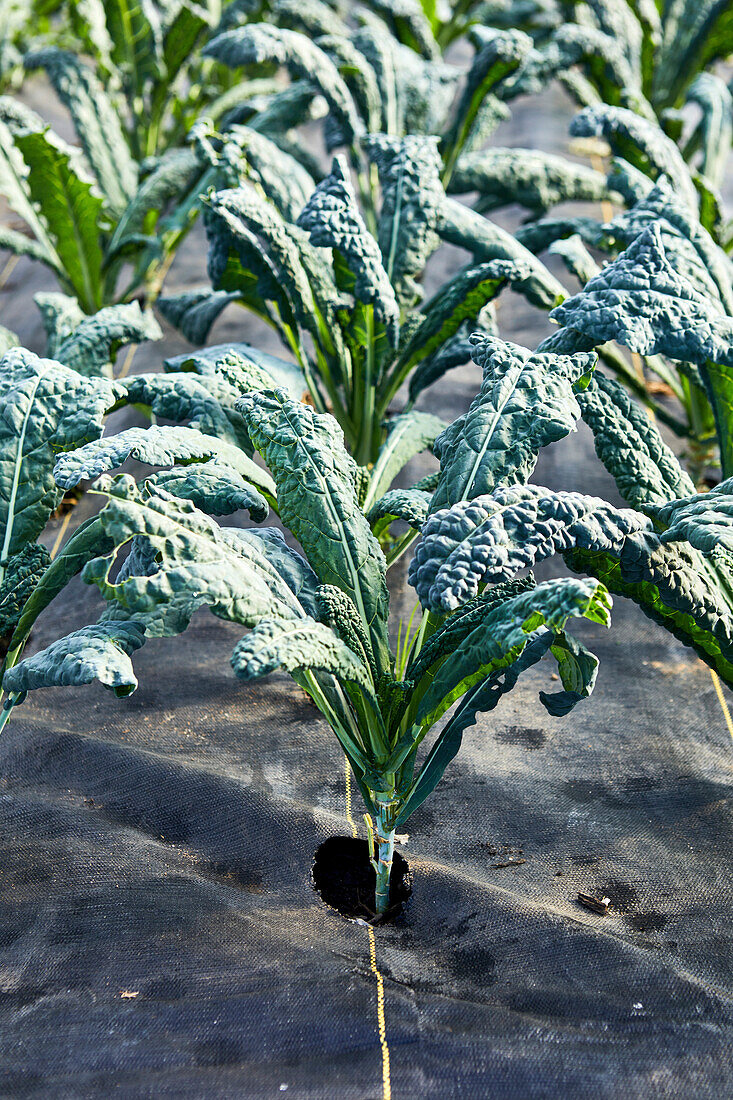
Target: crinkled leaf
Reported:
[(238, 220), (71, 210), (316, 489), (22, 575), (46, 408), (174, 176), (533, 179), (155, 446), (92, 346), (539, 235), (214, 487), (629, 445), (243, 366), (204, 402), (261, 160), (526, 401), (195, 311), (192, 562), (359, 76), (61, 315), (576, 258), (298, 644), (642, 300), (96, 122), (498, 55), (333, 220), (454, 628), (409, 176), (688, 245), (674, 585), (97, 652), (481, 699), (461, 298), (502, 635), (639, 142), (705, 520), (491, 538)]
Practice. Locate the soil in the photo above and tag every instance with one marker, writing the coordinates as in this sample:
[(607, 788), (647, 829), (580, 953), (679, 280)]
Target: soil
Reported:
[(345, 879)]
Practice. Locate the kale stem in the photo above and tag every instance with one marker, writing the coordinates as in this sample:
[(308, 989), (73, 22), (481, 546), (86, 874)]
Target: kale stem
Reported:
[(7, 708), (384, 840), (368, 442)]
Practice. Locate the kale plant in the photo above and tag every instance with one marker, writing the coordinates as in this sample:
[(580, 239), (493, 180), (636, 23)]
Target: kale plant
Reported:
[(654, 59), (322, 617), (668, 297), (49, 406), (344, 301), (372, 83), (139, 62)]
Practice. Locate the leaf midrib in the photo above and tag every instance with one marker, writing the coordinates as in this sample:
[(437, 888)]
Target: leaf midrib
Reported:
[(19, 455)]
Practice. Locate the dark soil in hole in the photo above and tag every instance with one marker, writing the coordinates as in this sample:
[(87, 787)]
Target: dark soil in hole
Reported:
[(345, 879)]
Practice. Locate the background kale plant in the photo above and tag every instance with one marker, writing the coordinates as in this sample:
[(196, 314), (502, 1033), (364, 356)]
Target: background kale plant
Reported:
[(346, 302), (658, 60), (650, 178)]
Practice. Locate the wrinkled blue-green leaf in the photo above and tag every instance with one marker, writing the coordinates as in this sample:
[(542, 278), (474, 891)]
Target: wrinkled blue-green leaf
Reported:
[(97, 652), (526, 401), (533, 179), (489, 539), (316, 490), (155, 446), (409, 176), (333, 220), (502, 635), (92, 346), (295, 645), (46, 408), (96, 122)]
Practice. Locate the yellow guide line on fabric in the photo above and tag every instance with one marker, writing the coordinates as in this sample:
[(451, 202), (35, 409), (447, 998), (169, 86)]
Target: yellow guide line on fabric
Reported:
[(596, 163), (128, 361), (722, 700), (7, 271), (62, 531), (349, 818), (381, 1022), (381, 1019)]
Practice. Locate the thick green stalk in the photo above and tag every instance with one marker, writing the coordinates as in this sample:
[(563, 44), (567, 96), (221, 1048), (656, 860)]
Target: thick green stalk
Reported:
[(701, 432), (7, 707), (718, 378), (384, 843), (367, 445)]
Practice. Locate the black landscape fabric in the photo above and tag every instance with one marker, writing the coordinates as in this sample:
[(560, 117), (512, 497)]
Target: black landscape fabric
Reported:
[(161, 937)]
